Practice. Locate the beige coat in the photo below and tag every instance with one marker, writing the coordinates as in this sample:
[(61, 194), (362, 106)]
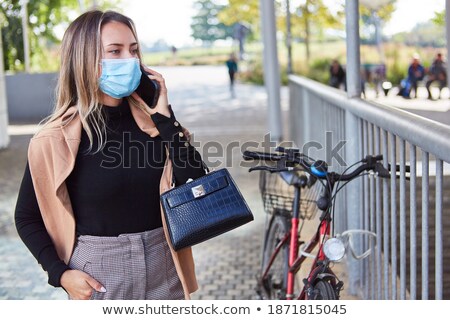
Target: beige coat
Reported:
[(51, 155)]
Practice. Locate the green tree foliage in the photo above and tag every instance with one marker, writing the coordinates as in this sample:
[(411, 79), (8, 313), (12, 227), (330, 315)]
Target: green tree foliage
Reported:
[(206, 25), (384, 13), (312, 17), (439, 18), (44, 18), (241, 11), (426, 34)]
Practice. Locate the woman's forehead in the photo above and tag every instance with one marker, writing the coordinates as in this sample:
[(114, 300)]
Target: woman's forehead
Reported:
[(116, 33)]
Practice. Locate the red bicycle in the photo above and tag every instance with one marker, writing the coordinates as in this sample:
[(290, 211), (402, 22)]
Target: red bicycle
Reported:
[(283, 251)]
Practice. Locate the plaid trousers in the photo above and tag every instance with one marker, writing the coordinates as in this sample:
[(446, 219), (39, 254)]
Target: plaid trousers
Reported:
[(134, 266)]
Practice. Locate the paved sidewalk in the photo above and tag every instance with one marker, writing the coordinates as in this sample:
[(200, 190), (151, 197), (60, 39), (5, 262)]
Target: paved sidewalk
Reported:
[(201, 99)]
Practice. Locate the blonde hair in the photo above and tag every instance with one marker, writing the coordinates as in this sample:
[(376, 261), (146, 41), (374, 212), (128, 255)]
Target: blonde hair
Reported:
[(81, 54)]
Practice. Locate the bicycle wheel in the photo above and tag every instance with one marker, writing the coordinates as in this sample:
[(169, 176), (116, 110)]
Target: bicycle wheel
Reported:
[(324, 291), (276, 280)]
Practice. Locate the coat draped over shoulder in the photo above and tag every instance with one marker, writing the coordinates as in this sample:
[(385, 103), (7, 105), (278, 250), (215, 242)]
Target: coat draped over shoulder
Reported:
[(51, 155)]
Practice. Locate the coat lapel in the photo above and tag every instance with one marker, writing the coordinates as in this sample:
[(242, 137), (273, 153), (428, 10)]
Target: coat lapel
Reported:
[(67, 154)]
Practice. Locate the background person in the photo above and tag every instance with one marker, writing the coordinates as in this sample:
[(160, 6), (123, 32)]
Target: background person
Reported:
[(416, 73), (437, 72), (337, 75), (232, 66)]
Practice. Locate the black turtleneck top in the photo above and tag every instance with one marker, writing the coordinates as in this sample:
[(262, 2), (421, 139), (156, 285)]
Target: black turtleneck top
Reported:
[(112, 191)]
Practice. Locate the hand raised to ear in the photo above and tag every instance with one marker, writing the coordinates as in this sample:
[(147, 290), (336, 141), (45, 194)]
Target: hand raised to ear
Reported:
[(162, 106)]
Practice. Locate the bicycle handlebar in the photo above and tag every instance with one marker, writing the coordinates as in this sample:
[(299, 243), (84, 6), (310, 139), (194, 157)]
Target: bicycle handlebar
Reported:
[(256, 155), (288, 158)]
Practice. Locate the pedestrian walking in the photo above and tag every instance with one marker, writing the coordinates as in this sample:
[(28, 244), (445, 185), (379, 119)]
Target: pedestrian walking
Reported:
[(232, 66), (88, 208)]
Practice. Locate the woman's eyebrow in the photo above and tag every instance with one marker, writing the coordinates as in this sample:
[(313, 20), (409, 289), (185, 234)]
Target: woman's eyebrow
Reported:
[(121, 44)]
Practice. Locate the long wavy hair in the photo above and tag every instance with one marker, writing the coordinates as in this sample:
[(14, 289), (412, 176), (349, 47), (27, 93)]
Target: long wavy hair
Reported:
[(81, 54)]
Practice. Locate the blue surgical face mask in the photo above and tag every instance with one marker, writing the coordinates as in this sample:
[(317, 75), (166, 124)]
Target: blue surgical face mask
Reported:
[(120, 77)]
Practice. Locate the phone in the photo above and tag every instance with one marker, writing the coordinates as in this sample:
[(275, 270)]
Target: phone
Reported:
[(148, 89)]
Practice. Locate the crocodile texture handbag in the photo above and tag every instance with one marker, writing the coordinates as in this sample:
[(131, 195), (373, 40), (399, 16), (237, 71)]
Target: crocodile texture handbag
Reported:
[(204, 208)]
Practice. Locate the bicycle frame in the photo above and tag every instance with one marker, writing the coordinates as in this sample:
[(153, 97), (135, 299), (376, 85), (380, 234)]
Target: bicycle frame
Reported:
[(320, 266)]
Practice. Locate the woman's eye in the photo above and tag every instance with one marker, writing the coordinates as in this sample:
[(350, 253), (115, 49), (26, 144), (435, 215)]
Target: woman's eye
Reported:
[(114, 51), (134, 51)]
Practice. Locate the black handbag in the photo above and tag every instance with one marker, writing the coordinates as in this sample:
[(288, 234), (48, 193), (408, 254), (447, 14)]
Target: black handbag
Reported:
[(204, 208)]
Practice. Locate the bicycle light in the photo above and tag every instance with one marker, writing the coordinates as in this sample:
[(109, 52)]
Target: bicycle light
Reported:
[(334, 249)]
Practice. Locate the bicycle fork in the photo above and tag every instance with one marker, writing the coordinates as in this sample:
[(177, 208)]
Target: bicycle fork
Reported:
[(293, 247)]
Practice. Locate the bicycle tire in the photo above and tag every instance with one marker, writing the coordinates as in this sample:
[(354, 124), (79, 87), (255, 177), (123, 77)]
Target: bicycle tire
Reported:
[(276, 282), (324, 291)]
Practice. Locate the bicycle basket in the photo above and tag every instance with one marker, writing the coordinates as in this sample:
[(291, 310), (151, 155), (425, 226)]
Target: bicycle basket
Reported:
[(277, 195)]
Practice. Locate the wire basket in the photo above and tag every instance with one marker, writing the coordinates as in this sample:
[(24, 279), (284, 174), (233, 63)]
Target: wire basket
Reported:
[(277, 195)]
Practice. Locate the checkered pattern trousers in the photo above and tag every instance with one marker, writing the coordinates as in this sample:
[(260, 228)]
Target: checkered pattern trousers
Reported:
[(133, 266)]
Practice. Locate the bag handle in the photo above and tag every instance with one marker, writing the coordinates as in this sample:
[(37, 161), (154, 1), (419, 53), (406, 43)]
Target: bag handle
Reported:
[(204, 167)]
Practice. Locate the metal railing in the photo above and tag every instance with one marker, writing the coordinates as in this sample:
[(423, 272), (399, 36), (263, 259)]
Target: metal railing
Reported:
[(408, 257)]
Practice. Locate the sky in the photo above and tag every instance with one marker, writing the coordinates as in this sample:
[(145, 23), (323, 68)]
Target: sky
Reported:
[(170, 19)]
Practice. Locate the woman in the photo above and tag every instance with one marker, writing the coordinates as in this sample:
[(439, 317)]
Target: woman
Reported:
[(88, 207)]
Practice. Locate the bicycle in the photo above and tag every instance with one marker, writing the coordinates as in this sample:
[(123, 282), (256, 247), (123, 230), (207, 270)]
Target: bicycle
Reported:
[(281, 260)]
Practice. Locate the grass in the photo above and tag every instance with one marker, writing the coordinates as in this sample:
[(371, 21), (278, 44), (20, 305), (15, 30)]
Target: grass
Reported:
[(397, 57), (195, 56)]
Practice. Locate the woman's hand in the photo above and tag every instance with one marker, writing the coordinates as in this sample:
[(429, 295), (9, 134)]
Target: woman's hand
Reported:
[(162, 106), (79, 285)]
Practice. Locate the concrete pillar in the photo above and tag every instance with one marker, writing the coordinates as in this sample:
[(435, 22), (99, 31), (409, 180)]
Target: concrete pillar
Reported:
[(352, 133), (4, 138), (26, 39), (289, 37), (271, 67), (353, 73), (447, 31)]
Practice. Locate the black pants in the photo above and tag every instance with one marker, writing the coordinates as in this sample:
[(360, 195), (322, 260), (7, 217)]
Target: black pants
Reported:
[(442, 84), (231, 74)]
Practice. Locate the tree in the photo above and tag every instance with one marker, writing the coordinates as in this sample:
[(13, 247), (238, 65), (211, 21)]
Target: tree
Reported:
[(314, 15), (206, 25), (44, 16), (371, 15), (377, 14), (425, 34), (238, 11)]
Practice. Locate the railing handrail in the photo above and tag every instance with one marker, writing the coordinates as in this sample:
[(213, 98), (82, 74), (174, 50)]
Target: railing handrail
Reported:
[(429, 135)]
